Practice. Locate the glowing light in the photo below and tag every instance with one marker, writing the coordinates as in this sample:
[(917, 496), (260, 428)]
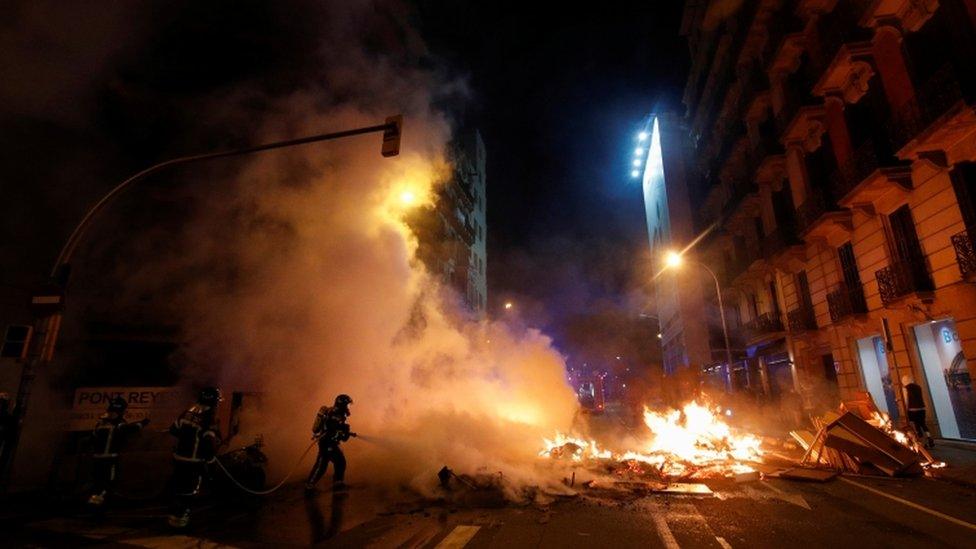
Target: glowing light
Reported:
[(642, 136), (673, 260), (690, 442), (637, 163), (659, 336), (508, 304), (634, 173), (408, 197), (638, 151)]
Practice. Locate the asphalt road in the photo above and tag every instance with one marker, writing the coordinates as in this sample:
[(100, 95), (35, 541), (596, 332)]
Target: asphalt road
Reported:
[(850, 511)]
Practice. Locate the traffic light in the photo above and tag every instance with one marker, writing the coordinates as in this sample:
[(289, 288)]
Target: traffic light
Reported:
[(391, 135)]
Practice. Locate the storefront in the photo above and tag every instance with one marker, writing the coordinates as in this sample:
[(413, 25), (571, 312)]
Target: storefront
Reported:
[(947, 378), (873, 359)]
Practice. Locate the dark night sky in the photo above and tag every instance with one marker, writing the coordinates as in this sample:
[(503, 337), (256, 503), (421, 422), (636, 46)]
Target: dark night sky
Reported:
[(558, 94), (92, 94)]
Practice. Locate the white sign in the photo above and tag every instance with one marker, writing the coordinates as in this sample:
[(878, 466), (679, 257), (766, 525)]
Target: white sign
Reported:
[(159, 404)]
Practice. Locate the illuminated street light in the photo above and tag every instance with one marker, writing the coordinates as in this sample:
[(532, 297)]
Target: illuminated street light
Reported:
[(637, 162), (635, 173), (638, 151), (508, 305), (642, 136), (673, 260)]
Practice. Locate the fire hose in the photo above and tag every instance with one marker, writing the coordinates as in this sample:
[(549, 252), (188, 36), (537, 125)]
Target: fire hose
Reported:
[(275, 487)]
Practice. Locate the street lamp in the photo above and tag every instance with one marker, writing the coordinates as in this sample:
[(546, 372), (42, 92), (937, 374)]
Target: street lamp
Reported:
[(47, 328), (674, 260), (508, 305)]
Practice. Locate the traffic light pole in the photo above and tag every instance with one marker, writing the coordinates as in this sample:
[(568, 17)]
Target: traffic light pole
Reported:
[(46, 329)]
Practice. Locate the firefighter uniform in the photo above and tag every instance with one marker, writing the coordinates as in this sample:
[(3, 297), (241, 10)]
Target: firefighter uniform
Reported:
[(197, 440), (330, 429), (108, 435)]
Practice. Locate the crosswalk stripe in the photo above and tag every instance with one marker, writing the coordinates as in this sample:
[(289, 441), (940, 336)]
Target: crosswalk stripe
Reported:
[(459, 537)]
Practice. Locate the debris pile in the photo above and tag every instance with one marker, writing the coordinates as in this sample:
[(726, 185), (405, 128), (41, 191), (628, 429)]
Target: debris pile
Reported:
[(848, 443), (694, 442)]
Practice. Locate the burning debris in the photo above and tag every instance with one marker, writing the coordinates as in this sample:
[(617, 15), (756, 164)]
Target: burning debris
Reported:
[(849, 443), (694, 442)]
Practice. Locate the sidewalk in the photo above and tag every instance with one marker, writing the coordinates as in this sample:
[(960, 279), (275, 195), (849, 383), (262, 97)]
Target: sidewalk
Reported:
[(960, 458)]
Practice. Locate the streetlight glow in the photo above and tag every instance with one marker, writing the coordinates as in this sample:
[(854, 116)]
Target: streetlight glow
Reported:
[(636, 162), (638, 151), (635, 173), (642, 136), (508, 304), (673, 259), (408, 197)]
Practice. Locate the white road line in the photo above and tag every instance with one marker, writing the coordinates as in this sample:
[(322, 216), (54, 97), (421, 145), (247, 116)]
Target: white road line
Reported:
[(178, 542), (721, 541), (661, 525), (459, 537), (912, 504), (795, 499)]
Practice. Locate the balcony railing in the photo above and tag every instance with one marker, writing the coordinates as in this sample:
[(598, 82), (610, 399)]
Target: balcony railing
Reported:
[(778, 240), (766, 323), (846, 301), (933, 98), (965, 253), (815, 206), (801, 319), (902, 278), (864, 161)]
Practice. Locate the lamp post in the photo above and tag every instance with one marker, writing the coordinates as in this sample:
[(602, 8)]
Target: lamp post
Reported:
[(46, 328), (673, 260)]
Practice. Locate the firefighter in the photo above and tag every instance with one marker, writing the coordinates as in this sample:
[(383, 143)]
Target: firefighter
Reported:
[(330, 429), (108, 435), (197, 439)]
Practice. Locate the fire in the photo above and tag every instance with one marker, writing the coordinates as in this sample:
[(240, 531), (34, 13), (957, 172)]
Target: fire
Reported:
[(692, 441), (882, 421)]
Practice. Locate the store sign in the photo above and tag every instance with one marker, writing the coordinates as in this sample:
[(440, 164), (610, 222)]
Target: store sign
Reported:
[(159, 404), (949, 336)]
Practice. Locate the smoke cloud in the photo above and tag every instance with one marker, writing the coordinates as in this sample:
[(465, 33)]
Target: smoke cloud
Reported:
[(298, 279)]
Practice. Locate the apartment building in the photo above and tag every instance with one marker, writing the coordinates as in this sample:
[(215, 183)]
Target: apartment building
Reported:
[(834, 142)]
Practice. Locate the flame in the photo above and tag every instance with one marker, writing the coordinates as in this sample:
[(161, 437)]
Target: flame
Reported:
[(694, 440), (882, 421)]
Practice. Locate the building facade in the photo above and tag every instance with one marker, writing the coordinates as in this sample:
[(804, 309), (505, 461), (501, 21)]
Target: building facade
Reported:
[(452, 233), (668, 203), (834, 144)]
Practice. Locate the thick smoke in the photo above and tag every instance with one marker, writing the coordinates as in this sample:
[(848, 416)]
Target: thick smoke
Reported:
[(305, 285)]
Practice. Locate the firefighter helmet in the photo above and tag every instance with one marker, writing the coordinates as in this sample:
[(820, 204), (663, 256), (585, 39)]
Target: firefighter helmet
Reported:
[(343, 401), (209, 396), (117, 404)]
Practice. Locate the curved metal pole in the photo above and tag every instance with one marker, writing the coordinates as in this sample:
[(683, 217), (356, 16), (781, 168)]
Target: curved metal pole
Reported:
[(725, 329), (69, 246)]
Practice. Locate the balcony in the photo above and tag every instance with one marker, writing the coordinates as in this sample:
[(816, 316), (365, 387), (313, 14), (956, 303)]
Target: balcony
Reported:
[(846, 301), (865, 179), (933, 98), (965, 254), (778, 241), (764, 325), (818, 218), (902, 278), (801, 319)]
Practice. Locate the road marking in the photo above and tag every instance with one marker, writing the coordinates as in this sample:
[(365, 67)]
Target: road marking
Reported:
[(795, 499), (912, 504), (661, 525), (169, 542), (721, 541), (459, 537)]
